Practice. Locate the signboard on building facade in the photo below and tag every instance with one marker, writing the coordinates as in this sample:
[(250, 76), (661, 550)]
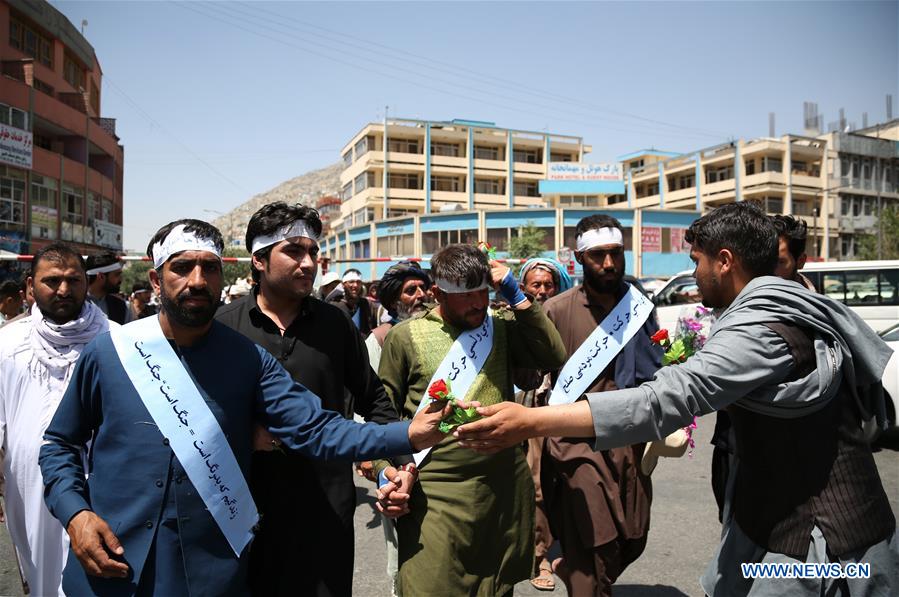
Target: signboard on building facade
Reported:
[(107, 235), (15, 146), (678, 244), (651, 239), (578, 171)]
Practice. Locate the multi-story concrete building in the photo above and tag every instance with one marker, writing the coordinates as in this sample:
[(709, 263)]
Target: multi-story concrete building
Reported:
[(464, 181), (433, 166), (61, 163), (836, 182)]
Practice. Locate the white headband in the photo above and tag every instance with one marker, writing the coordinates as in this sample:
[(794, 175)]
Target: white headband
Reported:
[(598, 237), (177, 241), (453, 288), (351, 277), (293, 230), (112, 267)]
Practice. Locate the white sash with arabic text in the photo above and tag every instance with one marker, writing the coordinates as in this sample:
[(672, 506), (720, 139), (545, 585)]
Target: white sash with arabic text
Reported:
[(461, 365), (601, 346), (178, 409)]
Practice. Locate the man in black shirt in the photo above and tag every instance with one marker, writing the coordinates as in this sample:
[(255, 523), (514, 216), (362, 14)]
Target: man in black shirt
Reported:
[(305, 542)]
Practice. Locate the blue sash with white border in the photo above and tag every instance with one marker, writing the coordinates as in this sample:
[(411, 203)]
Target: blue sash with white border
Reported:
[(182, 416)]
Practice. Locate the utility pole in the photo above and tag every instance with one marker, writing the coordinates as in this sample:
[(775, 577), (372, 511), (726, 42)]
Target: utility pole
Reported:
[(385, 207)]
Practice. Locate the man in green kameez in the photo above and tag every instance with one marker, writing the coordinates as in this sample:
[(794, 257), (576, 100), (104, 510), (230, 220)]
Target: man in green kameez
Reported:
[(471, 523)]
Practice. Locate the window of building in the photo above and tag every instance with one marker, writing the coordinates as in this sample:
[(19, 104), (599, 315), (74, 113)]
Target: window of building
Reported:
[(361, 249), (12, 198), (489, 186), (498, 238), (560, 157), (582, 200), (453, 184), (43, 87), (720, 174), (403, 180), (774, 205), (363, 181), (346, 192), (433, 241), (363, 145), (348, 159), (395, 212), (72, 71), (482, 152), (634, 165), (396, 246), (13, 117), (44, 212), (750, 167), (27, 39), (72, 214), (446, 149), (403, 145), (527, 156), (526, 188), (802, 208), (799, 167), (771, 164), (106, 215)]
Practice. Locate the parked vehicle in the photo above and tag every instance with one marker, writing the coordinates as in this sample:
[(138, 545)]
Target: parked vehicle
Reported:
[(870, 288), (891, 373)]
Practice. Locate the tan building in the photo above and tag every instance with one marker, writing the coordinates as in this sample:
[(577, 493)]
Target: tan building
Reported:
[(61, 162), (835, 182), (432, 166)]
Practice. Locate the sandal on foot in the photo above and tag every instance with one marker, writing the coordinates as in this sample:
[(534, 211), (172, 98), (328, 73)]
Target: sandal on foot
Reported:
[(544, 580)]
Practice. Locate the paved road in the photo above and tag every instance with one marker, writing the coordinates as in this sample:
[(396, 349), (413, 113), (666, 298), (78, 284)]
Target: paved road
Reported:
[(683, 535)]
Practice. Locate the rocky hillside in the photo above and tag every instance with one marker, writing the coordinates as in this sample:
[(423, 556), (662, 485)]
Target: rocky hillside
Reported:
[(305, 189)]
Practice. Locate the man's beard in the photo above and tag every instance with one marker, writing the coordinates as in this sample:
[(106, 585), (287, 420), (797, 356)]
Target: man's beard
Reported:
[(404, 312), (607, 286), (111, 288), (189, 316), (61, 311)]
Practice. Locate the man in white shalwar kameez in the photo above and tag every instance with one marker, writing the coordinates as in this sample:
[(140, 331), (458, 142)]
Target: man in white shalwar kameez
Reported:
[(38, 353)]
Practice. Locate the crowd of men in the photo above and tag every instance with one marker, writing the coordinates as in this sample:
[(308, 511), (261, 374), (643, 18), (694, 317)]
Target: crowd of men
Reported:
[(203, 448)]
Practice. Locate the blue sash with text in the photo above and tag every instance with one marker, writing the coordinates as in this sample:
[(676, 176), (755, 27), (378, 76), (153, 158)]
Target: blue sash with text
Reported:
[(601, 346), (461, 365), (178, 409)]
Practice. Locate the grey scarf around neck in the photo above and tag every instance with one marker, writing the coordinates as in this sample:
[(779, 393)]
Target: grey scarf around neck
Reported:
[(851, 345)]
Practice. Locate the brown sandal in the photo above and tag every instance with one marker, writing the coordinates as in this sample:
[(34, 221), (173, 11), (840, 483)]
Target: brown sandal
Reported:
[(544, 581)]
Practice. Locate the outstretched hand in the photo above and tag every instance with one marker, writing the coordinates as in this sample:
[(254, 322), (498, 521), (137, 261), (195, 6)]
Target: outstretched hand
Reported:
[(424, 432), (92, 543), (503, 425)]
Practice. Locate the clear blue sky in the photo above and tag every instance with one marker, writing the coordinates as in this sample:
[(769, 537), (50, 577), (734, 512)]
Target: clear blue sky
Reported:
[(216, 102)]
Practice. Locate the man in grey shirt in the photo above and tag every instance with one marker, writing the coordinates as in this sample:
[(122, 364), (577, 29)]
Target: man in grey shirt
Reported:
[(800, 376)]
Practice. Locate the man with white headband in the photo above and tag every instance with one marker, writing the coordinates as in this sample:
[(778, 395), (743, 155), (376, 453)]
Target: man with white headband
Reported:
[(576, 481), (801, 377), (470, 529), (168, 406), (320, 348), (104, 278), (352, 302), (38, 353)]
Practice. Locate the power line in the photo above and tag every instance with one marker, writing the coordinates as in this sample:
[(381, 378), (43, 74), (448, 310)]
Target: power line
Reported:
[(216, 15), (488, 78), (172, 136), (243, 16)]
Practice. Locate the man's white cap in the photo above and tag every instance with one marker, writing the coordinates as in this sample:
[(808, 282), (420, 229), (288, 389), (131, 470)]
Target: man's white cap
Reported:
[(329, 278)]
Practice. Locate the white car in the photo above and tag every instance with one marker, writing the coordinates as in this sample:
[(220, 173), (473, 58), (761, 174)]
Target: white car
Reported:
[(891, 373)]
